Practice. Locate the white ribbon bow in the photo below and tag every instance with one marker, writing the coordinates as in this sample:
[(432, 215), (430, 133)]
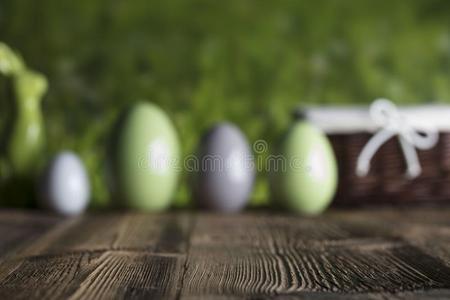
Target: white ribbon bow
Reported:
[(385, 114)]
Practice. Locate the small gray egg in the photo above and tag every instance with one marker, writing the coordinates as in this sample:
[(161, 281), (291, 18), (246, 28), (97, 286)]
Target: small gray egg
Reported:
[(65, 187), (224, 169)]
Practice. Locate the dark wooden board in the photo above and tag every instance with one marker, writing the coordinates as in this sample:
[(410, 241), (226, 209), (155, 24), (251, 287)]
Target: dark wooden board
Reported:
[(20, 228), (375, 254)]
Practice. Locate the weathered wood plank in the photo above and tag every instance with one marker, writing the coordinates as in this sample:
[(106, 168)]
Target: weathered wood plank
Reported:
[(260, 255), (158, 233), (48, 277), (426, 228), (121, 255), (340, 255), (125, 275), (97, 275), (21, 232), (19, 228)]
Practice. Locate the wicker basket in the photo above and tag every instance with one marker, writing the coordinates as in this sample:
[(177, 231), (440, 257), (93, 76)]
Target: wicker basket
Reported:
[(386, 182)]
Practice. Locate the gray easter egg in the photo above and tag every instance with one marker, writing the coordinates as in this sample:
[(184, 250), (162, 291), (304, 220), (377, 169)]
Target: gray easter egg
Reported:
[(225, 169), (65, 187)]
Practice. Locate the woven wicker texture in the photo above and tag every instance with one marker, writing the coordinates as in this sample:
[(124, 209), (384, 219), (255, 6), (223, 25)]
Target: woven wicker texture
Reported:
[(386, 182)]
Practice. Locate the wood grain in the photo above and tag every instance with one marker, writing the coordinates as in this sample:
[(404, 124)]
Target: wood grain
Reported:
[(341, 255), (100, 256), (261, 255), (18, 228)]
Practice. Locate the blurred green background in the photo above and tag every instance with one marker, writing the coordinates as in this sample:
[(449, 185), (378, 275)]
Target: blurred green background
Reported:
[(247, 61)]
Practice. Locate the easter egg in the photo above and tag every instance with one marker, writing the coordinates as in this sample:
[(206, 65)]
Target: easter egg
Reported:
[(65, 186), (144, 158), (306, 179), (225, 170)]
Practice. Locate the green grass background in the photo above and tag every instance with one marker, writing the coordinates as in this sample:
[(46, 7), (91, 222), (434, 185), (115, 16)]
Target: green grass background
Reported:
[(247, 61)]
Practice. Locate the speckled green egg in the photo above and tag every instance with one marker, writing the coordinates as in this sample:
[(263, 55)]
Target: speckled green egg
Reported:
[(144, 158), (304, 173)]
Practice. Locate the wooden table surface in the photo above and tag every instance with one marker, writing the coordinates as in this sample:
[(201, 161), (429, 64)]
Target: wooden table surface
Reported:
[(340, 255)]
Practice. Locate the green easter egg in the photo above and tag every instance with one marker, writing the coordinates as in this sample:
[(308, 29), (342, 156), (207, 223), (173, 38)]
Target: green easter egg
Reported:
[(305, 175), (145, 157)]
